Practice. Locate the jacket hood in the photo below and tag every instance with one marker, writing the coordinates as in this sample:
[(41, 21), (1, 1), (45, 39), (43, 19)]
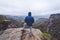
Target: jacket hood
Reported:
[(29, 13)]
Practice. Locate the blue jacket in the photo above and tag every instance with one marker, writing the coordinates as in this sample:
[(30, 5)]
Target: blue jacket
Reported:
[(29, 20)]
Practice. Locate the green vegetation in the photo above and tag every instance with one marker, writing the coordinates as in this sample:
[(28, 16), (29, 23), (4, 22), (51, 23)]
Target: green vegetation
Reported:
[(2, 18), (46, 35)]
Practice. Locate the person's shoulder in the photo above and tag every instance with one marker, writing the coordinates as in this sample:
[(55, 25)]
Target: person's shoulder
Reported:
[(29, 16), (26, 16), (32, 16)]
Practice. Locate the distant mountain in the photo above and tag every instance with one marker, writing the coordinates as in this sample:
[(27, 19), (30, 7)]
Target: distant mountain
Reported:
[(21, 18), (17, 18), (42, 16), (42, 20), (10, 21)]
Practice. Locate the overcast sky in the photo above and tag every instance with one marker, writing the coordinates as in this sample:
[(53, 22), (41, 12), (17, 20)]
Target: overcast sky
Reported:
[(22, 7)]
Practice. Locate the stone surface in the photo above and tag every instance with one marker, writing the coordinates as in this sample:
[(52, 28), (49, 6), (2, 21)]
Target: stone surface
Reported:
[(18, 34)]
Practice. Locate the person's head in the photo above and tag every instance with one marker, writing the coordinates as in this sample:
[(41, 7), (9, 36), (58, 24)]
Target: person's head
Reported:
[(29, 13)]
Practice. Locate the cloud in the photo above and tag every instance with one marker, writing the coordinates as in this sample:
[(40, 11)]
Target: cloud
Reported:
[(21, 7)]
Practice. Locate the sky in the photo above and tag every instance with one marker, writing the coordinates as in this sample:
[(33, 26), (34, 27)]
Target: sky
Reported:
[(22, 7)]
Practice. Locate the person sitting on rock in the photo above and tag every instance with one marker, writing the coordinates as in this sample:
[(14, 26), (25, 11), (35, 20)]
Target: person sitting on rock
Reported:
[(29, 20)]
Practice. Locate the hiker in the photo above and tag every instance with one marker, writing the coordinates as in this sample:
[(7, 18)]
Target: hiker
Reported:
[(29, 20)]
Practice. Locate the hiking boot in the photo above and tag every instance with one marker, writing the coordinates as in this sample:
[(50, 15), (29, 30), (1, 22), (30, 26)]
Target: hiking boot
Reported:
[(30, 34)]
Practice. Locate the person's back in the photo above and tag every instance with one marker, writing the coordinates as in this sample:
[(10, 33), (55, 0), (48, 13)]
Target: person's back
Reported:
[(29, 20)]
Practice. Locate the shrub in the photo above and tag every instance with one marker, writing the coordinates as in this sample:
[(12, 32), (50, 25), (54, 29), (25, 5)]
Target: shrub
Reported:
[(46, 35)]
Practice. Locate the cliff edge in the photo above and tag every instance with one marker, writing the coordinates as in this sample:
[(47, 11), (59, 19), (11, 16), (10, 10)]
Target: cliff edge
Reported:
[(18, 34)]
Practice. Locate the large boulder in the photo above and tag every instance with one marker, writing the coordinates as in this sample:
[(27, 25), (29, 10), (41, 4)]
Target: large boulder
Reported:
[(18, 34)]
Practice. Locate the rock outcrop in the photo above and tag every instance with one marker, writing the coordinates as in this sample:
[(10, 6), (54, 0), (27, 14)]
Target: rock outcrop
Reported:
[(54, 26), (18, 34)]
